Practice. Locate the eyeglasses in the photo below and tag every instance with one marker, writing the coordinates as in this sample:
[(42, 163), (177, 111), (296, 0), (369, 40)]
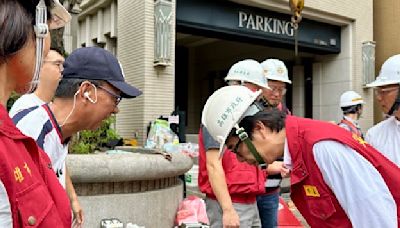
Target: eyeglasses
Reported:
[(117, 97), (58, 63), (281, 91), (381, 92)]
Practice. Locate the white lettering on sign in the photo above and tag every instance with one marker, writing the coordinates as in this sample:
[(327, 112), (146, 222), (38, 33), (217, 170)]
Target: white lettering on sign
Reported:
[(265, 24), (173, 119)]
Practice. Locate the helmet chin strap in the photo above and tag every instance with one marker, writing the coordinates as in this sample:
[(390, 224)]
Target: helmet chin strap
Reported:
[(244, 137), (41, 30), (396, 104)]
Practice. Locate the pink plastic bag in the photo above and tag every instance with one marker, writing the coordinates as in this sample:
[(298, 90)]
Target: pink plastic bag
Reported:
[(192, 210)]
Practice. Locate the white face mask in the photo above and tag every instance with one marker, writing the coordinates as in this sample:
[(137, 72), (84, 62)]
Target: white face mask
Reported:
[(41, 31)]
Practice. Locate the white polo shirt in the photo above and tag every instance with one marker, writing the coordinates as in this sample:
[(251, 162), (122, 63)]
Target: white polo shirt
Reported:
[(24, 102), (39, 123)]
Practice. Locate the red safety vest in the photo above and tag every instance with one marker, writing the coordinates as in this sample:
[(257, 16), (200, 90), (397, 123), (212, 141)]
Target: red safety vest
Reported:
[(36, 197), (322, 209), (353, 128), (283, 108), (244, 181)]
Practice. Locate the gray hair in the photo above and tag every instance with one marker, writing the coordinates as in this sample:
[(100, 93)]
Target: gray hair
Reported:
[(68, 86)]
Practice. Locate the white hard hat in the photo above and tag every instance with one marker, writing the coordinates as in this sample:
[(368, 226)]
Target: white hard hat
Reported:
[(60, 15), (225, 108), (247, 70), (389, 74), (350, 98), (274, 69)]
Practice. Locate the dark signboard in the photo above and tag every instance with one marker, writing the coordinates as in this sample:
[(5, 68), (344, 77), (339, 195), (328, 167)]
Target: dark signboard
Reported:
[(222, 17)]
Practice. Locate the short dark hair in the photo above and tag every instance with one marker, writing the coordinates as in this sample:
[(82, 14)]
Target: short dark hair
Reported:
[(271, 117), (57, 49), (351, 109), (17, 18), (68, 86)]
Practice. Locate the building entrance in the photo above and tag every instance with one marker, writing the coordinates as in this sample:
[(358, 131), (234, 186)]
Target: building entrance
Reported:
[(202, 64)]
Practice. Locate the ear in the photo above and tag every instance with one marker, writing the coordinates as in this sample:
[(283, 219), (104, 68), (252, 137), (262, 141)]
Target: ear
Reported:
[(259, 125), (84, 88), (260, 130)]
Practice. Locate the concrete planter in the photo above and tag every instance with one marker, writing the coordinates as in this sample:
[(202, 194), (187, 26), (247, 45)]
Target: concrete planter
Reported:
[(135, 187)]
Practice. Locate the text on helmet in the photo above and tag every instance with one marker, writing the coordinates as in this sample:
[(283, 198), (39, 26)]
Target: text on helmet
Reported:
[(241, 72), (229, 110)]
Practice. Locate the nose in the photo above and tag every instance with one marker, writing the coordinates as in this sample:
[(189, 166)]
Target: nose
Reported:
[(116, 110), (378, 96)]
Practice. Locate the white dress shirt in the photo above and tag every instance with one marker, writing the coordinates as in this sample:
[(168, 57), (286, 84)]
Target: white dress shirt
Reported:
[(5, 211), (357, 185), (385, 137)]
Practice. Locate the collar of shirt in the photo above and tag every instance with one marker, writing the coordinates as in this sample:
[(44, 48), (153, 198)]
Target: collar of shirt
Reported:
[(396, 121), (355, 122), (287, 159)]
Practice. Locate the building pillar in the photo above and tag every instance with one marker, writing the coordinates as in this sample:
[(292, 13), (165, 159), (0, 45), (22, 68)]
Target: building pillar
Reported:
[(298, 91), (135, 50)]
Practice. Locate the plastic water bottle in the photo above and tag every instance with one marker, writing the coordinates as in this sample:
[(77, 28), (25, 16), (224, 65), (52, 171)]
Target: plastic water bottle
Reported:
[(175, 141)]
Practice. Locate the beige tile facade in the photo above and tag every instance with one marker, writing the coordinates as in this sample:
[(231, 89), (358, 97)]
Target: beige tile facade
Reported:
[(386, 34), (100, 23), (127, 28), (386, 29)]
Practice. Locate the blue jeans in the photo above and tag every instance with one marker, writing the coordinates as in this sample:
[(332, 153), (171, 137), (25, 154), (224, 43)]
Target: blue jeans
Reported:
[(268, 208)]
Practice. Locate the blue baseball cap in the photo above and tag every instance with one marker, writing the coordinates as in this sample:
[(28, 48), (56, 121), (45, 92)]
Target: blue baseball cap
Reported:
[(94, 63)]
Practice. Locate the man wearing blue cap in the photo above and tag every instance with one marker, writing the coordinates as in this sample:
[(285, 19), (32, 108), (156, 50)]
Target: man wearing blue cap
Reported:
[(92, 86)]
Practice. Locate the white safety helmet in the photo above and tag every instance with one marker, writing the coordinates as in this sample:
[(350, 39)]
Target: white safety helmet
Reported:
[(247, 70), (389, 74), (225, 108), (350, 98), (60, 15), (274, 69)]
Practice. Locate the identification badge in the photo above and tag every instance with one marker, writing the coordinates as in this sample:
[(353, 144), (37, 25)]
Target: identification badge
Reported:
[(311, 191)]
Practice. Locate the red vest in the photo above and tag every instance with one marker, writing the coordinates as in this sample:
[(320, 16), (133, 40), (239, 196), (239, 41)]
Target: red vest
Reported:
[(353, 128), (36, 197), (325, 210), (284, 109), (244, 181)]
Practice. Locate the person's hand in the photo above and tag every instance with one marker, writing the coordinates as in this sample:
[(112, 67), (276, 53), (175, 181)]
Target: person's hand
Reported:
[(78, 214), (285, 172), (230, 219), (275, 168)]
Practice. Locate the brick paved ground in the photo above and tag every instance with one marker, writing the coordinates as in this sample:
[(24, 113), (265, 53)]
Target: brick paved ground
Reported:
[(285, 195), (285, 189)]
